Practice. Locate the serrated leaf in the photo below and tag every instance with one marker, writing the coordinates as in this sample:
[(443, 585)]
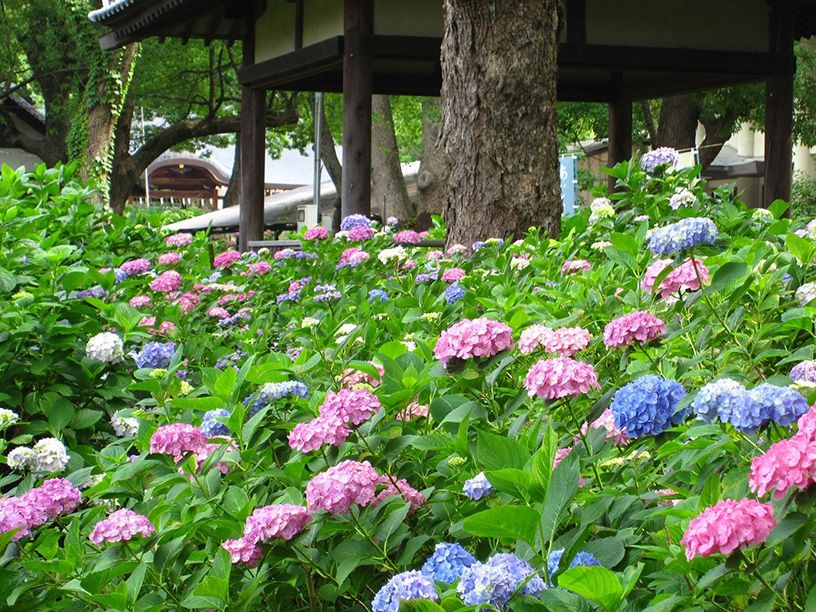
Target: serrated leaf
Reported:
[(596, 583)]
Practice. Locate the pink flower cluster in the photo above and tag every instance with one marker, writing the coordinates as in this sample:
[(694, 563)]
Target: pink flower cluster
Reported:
[(135, 267), (652, 272), (316, 233), (607, 421), (338, 411), (412, 411), (169, 259), (166, 282), (560, 377), (565, 341), (434, 255), (217, 312), (352, 257), (727, 526), (121, 526), (352, 378), (639, 326), (313, 435), (453, 275), (407, 237), (398, 487), (787, 463), (164, 328), (258, 268), (177, 440), (140, 301), (274, 521), (574, 266), (360, 233), (473, 338), (37, 506), (177, 240), (336, 489), (684, 278), (226, 259), (188, 301)]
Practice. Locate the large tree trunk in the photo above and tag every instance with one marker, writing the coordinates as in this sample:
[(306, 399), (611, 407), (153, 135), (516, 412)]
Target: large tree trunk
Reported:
[(122, 178), (387, 183), (677, 127), (431, 176), (499, 75), (233, 195)]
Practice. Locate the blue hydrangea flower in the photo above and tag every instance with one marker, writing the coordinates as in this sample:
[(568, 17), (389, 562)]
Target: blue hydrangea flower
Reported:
[(155, 355), (659, 157), (479, 244), (272, 392), (684, 234), (377, 294), (454, 293), (236, 319), (521, 571), (292, 296), (427, 278), (496, 581), (447, 562), (804, 372), (354, 221), (780, 404), (720, 399), (119, 274), (647, 406), (211, 427), (477, 487), (95, 292), (582, 559), (404, 587)]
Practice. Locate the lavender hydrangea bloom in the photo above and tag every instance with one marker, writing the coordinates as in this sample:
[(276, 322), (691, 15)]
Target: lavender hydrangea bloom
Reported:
[(521, 571), (477, 487), (236, 319), (155, 355), (427, 278), (720, 399), (377, 295), (211, 426), (447, 562), (779, 404), (496, 581), (404, 587), (454, 293), (292, 296), (95, 292), (659, 157), (272, 392), (582, 559), (684, 234), (648, 406), (354, 221), (804, 372), (478, 245)]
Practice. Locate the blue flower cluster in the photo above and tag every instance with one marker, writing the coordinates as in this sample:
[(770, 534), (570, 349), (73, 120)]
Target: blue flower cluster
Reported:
[(663, 156), (477, 487), (427, 278), (804, 371), (230, 360), (236, 319), (747, 411), (496, 581), (95, 292), (354, 221), (581, 559), (478, 245), (119, 274), (454, 293), (684, 234), (292, 296), (447, 562), (648, 406), (155, 355), (377, 295), (404, 587), (272, 392), (211, 426)]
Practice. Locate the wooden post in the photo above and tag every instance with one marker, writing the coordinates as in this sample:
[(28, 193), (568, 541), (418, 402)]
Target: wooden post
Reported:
[(357, 90), (779, 110), (253, 145), (620, 135)]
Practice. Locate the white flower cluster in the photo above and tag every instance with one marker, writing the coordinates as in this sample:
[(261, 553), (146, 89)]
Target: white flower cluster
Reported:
[(309, 322), (682, 197), (806, 293), (123, 426), (7, 418), (105, 347), (344, 331), (519, 263), (601, 209), (600, 245), (48, 456), (388, 255)]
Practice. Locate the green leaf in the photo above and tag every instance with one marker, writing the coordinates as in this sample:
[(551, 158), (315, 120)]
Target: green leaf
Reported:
[(225, 383), (496, 452), (727, 274), (518, 522), (543, 461), (59, 411), (563, 485), (625, 243), (512, 481), (801, 248), (778, 208), (786, 528), (596, 583), (420, 605), (7, 281)]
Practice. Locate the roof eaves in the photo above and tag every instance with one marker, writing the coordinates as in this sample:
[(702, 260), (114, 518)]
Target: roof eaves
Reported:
[(117, 6)]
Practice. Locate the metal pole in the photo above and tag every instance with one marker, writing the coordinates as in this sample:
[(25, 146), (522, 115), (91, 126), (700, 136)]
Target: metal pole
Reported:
[(147, 176), (318, 129)]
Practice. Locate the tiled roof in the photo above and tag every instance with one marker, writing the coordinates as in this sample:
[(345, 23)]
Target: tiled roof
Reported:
[(112, 7)]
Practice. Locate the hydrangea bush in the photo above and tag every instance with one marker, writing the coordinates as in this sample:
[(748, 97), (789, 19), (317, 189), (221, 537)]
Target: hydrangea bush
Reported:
[(617, 418)]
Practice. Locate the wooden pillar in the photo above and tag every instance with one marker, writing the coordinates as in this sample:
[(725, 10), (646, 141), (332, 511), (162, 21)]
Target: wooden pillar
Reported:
[(779, 110), (357, 90), (253, 146), (620, 135)]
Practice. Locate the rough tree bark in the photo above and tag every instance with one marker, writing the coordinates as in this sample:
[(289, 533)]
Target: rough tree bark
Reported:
[(387, 183), (431, 176), (677, 126), (499, 74)]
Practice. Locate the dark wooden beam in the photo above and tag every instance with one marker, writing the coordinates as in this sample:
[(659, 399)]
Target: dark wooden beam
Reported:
[(779, 110), (298, 24), (253, 148), (411, 48), (358, 84), (315, 59), (576, 22)]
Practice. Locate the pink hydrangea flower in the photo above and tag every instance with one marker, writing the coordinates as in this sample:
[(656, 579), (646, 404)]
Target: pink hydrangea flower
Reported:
[(353, 406), (409, 264), (434, 255), (786, 464), (258, 268), (452, 275), (607, 421), (412, 411), (352, 257), (188, 301), (177, 240), (217, 312), (140, 301), (566, 341), (226, 259), (121, 526), (134, 267), (166, 282), (639, 326), (243, 551), (807, 424), (473, 338), (177, 440), (37, 506), (533, 337), (407, 237), (169, 259), (336, 489), (457, 249), (276, 521), (314, 434), (684, 278), (727, 526), (360, 233), (560, 377), (398, 487), (352, 377), (316, 233), (652, 272), (574, 266)]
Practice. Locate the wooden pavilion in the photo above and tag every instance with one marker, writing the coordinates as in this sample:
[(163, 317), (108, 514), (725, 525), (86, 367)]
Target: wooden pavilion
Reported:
[(611, 52)]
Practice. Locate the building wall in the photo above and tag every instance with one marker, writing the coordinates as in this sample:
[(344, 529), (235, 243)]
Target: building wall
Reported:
[(18, 157)]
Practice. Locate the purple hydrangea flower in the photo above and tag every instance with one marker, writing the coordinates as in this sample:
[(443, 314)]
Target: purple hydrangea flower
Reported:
[(684, 234), (477, 487), (448, 562), (454, 293), (155, 355), (663, 156), (804, 372), (404, 587)]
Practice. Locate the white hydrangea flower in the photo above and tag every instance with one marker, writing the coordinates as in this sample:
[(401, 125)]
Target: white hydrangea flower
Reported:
[(51, 456), (105, 347), (346, 329), (600, 203), (21, 458), (806, 293), (600, 245), (8, 418), (430, 316), (389, 255), (811, 230), (124, 427), (682, 197), (601, 212), (185, 388), (309, 322), (519, 263)]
